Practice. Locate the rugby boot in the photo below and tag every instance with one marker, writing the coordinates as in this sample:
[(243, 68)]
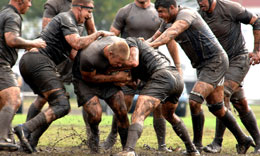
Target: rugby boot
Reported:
[(164, 148), (212, 148), (244, 146), (198, 124), (23, 136), (126, 153), (215, 146), (159, 126), (8, 145), (111, 138)]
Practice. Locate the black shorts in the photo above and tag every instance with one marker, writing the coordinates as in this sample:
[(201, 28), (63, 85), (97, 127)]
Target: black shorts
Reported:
[(165, 85), (238, 68), (214, 70), (39, 72), (7, 77), (85, 91), (127, 90), (65, 70)]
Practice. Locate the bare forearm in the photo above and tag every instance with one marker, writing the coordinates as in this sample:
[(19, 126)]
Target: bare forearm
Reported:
[(257, 40), (21, 43), (86, 40)]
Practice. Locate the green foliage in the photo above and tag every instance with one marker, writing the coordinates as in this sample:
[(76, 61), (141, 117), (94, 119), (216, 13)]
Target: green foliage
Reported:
[(104, 12)]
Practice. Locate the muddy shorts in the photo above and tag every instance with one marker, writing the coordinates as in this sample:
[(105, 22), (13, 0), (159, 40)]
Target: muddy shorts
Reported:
[(238, 68), (214, 70), (131, 91), (165, 85), (85, 91), (39, 72), (65, 70), (7, 77)]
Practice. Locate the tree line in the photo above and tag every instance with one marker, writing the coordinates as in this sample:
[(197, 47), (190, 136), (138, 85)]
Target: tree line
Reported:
[(104, 11)]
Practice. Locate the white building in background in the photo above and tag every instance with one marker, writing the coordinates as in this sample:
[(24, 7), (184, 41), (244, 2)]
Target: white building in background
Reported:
[(252, 80)]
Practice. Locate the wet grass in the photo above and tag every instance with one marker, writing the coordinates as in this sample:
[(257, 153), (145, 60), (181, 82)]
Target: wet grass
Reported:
[(67, 136)]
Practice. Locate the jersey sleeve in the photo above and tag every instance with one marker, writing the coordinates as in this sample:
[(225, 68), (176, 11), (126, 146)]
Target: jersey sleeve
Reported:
[(13, 24), (119, 21), (240, 14), (68, 27), (50, 9), (187, 15)]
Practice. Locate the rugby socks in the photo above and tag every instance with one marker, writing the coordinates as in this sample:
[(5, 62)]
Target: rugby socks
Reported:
[(35, 122), (198, 124), (35, 135), (181, 130), (159, 126), (111, 138), (134, 132), (219, 133), (93, 141), (123, 135), (250, 123), (6, 117), (32, 112), (230, 122), (85, 118)]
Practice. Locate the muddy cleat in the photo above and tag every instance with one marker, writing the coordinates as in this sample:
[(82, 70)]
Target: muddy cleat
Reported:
[(125, 153), (199, 148), (212, 148), (8, 145), (23, 137), (110, 141), (164, 148), (242, 148), (193, 153)]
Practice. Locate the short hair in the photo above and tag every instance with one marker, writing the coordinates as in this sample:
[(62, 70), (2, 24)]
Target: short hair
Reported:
[(84, 2), (120, 49), (165, 3)]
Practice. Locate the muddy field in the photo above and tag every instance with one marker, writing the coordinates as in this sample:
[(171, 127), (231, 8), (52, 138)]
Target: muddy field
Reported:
[(67, 137)]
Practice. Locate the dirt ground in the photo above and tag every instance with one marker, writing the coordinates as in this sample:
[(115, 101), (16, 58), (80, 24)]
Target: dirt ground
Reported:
[(83, 150)]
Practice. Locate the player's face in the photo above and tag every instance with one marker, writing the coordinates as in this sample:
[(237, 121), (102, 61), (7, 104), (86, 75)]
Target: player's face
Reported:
[(166, 14), (116, 61), (25, 5), (204, 5), (86, 12)]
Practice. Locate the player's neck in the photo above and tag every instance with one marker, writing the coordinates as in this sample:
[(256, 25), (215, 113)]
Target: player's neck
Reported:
[(143, 5)]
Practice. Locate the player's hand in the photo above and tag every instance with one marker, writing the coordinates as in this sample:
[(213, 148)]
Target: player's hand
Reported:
[(39, 43), (124, 76), (254, 58), (141, 38), (106, 33)]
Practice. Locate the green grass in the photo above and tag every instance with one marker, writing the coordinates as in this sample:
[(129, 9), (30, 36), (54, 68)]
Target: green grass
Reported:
[(69, 132)]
